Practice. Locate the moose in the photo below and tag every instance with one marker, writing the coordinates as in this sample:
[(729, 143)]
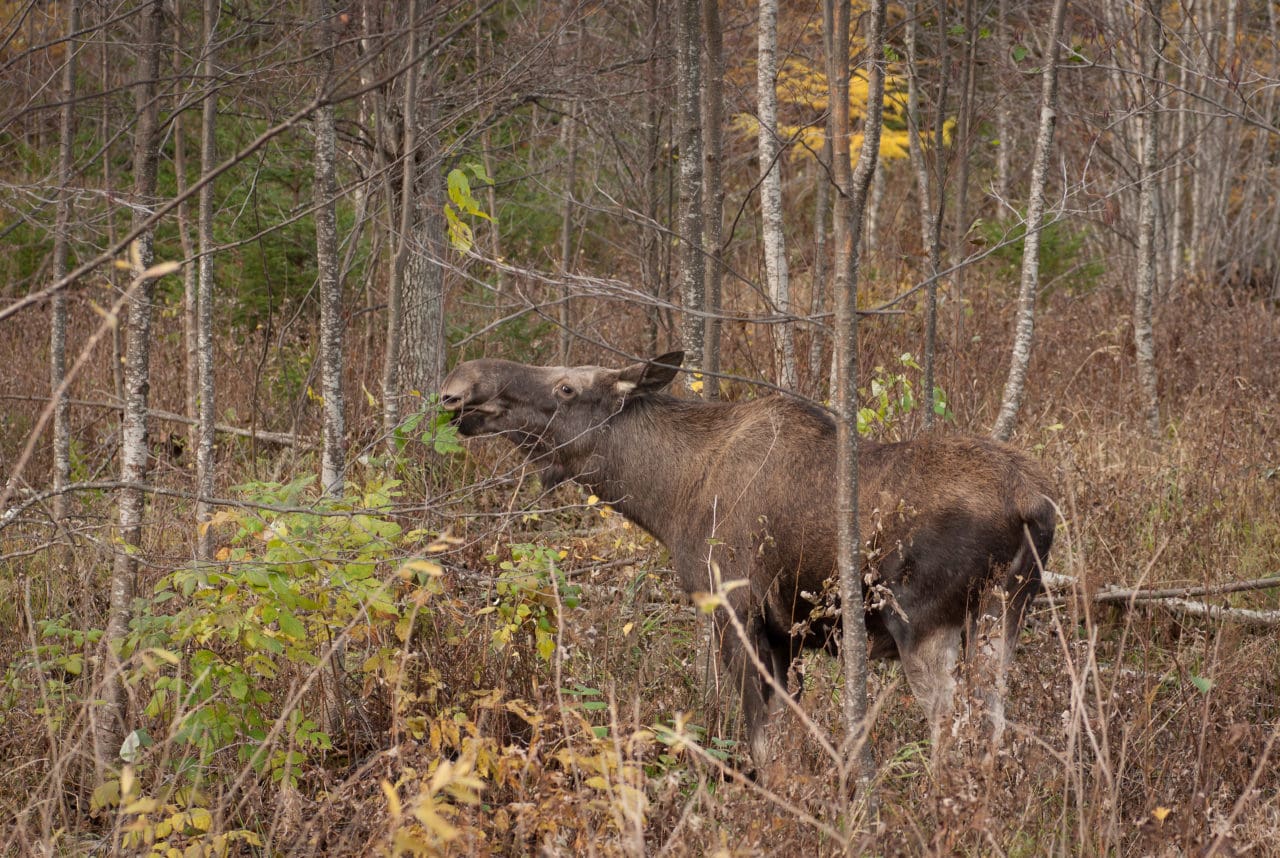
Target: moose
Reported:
[(956, 528)]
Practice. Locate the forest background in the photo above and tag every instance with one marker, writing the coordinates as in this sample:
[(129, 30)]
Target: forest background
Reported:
[(255, 596)]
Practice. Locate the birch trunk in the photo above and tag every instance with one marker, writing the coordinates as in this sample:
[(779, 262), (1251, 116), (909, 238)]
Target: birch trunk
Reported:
[(689, 88), (569, 139), (775, 247), (204, 304), (850, 209), (914, 147), (112, 716), (935, 224), (391, 391), (713, 190), (58, 304), (1025, 331), (1004, 123), (1144, 339), (329, 284)]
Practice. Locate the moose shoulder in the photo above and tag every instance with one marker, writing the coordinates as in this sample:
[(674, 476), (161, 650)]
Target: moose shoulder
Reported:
[(748, 488)]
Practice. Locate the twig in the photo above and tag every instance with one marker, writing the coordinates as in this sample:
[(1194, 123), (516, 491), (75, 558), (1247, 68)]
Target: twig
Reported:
[(284, 439)]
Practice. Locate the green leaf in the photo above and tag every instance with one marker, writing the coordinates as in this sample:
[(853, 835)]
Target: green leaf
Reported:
[(1202, 683), (292, 626), (1019, 53)]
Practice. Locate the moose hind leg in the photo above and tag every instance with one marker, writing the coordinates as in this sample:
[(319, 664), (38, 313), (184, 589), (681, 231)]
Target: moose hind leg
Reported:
[(929, 661)]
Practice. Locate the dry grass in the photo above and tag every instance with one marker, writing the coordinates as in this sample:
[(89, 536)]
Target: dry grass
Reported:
[(1134, 732)]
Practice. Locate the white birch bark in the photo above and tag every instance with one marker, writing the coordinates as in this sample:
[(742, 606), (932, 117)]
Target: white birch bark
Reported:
[(1024, 334), (400, 238), (329, 284), (206, 416), (1004, 123), (850, 209), (713, 190), (689, 117), (61, 251), (775, 247), (112, 715), (1143, 336)]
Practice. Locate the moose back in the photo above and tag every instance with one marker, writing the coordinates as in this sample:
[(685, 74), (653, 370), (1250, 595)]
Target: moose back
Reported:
[(747, 488)]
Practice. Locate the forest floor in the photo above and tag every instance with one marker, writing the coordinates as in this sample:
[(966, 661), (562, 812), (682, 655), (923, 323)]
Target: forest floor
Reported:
[(523, 676)]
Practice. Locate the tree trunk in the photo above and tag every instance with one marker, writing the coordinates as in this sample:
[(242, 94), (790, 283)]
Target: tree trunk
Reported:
[(821, 209), (713, 190), (204, 303), (914, 131), (1144, 339), (569, 139), (112, 716), (689, 88), (391, 390), (850, 208), (58, 305), (1004, 122), (422, 345), (1021, 357), (775, 247), (329, 283)]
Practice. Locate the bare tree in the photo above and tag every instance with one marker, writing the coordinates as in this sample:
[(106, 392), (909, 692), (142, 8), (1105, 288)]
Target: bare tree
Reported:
[(1149, 114), (400, 240), (204, 302), (775, 247), (1025, 331), (689, 89), (713, 189), (422, 345), (329, 283), (58, 306), (111, 717), (852, 187)]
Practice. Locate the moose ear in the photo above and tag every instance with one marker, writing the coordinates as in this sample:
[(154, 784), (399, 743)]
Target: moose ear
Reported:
[(649, 376)]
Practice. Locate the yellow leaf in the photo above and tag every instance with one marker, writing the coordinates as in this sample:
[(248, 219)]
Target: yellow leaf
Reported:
[(160, 270), (593, 500), (707, 602), (201, 819), (626, 629), (393, 799), (597, 782), (424, 566), (142, 805), (223, 553), (1161, 812)]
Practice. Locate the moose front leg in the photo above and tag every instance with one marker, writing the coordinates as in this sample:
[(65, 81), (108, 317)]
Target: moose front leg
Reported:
[(751, 661)]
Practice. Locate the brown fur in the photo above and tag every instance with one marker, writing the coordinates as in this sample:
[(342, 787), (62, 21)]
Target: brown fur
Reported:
[(748, 487)]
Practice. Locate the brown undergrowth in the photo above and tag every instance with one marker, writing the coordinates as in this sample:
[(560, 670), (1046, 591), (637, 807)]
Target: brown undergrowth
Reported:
[(522, 678)]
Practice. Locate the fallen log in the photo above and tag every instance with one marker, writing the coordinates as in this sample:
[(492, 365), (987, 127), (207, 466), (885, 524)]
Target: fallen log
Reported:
[(1176, 599)]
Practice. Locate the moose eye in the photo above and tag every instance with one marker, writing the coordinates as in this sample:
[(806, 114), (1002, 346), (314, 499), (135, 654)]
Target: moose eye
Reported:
[(565, 390)]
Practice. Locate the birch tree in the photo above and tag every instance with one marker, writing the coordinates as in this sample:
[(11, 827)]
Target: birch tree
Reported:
[(112, 716), (775, 247), (1024, 333), (329, 284), (852, 187), (689, 113), (400, 238), (58, 304), (713, 189), (204, 299), (1144, 339)]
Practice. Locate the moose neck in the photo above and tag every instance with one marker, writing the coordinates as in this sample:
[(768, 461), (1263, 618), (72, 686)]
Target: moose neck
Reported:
[(643, 460)]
